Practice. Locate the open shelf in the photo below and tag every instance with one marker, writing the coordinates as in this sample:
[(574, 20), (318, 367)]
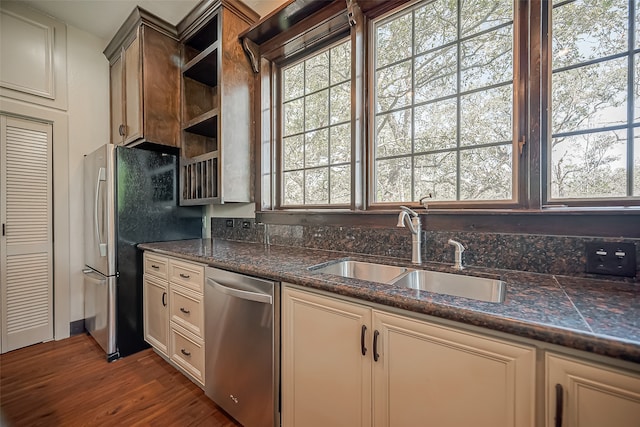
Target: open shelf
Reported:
[(203, 68), (206, 124), (287, 15), (201, 99), (204, 37)]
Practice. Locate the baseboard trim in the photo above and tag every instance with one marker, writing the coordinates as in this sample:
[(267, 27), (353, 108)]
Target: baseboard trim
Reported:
[(76, 327)]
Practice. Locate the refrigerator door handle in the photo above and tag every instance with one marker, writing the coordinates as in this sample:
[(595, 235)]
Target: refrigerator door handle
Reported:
[(93, 276), (101, 177)]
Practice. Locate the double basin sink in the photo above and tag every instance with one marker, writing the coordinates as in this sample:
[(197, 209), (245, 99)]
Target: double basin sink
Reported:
[(479, 288)]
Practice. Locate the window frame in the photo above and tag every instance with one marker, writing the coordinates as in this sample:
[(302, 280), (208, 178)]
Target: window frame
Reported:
[(531, 91), (546, 71), (519, 100), (277, 145)]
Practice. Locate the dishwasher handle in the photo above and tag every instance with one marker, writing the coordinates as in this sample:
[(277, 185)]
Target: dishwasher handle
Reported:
[(238, 293)]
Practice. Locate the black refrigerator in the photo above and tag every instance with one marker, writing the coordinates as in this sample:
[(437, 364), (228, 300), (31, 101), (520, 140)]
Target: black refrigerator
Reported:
[(130, 197)]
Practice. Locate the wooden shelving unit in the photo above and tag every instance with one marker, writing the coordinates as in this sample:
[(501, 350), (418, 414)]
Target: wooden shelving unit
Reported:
[(217, 105)]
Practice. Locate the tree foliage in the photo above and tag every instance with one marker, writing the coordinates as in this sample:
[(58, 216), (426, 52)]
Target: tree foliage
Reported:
[(316, 144), (590, 92), (443, 106)]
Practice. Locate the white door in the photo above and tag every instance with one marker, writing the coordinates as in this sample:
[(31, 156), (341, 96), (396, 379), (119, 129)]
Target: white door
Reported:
[(26, 252)]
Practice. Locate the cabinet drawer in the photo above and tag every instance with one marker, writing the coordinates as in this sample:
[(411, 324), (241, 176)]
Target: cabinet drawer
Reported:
[(156, 265), (186, 274), (187, 351), (187, 309)]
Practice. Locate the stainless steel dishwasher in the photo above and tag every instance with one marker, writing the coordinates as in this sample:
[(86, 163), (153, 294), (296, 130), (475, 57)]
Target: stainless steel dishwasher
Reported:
[(242, 326)]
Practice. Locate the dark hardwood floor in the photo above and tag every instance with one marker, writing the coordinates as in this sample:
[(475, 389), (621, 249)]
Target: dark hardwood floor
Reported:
[(69, 383)]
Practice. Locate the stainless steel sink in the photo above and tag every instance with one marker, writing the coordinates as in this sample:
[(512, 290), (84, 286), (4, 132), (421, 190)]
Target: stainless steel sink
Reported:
[(478, 288), (362, 270)]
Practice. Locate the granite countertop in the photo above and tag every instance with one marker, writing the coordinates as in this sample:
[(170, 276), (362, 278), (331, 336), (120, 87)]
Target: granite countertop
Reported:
[(598, 316)]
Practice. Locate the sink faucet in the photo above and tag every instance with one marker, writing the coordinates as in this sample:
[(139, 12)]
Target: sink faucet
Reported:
[(410, 219), (458, 255)]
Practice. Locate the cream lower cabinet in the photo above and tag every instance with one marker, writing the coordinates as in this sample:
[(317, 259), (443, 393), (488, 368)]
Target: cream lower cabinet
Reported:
[(156, 313), (346, 364), (174, 312), (155, 302), (326, 381), (585, 394)]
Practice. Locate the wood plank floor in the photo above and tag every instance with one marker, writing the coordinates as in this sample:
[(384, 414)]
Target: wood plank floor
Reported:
[(69, 383)]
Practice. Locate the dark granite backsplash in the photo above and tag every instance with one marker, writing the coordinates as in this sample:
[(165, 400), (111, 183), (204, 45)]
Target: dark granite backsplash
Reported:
[(560, 255), (220, 230)]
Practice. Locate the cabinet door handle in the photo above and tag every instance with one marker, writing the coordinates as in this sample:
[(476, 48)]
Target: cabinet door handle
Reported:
[(559, 404), (164, 299), (184, 310), (376, 356), (121, 130), (363, 332), (185, 352), (184, 276)]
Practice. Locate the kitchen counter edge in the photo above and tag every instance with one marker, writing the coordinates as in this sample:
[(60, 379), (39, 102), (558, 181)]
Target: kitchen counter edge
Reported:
[(296, 272)]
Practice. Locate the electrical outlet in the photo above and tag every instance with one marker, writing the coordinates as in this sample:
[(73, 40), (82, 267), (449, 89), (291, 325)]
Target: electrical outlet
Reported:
[(613, 258), (228, 223), (246, 224)]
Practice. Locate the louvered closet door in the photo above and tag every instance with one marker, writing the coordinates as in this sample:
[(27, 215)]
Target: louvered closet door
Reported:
[(26, 254)]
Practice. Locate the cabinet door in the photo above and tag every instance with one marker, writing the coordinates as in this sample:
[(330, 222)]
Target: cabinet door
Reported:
[(117, 107), (156, 313), (592, 395), (326, 381), (132, 90), (430, 375)]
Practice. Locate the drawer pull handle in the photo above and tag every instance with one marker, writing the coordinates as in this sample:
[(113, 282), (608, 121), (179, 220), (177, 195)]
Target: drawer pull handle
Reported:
[(235, 399), (184, 276), (185, 352), (164, 299), (184, 310), (155, 266), (376, 356)]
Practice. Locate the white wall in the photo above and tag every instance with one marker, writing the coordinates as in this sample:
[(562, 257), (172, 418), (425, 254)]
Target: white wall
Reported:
[(88, 85), (21, 101)]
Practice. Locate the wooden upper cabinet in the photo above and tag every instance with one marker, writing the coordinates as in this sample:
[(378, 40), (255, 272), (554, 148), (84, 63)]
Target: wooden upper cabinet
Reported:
[(145, 82), (217, 105)]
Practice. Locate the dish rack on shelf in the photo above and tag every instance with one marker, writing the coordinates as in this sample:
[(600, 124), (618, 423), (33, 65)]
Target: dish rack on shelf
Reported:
[(199, 179)]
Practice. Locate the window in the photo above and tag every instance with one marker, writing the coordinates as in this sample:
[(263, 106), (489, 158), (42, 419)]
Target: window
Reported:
[(474, 103), (595, 86), (316, 129), (443, 113)]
